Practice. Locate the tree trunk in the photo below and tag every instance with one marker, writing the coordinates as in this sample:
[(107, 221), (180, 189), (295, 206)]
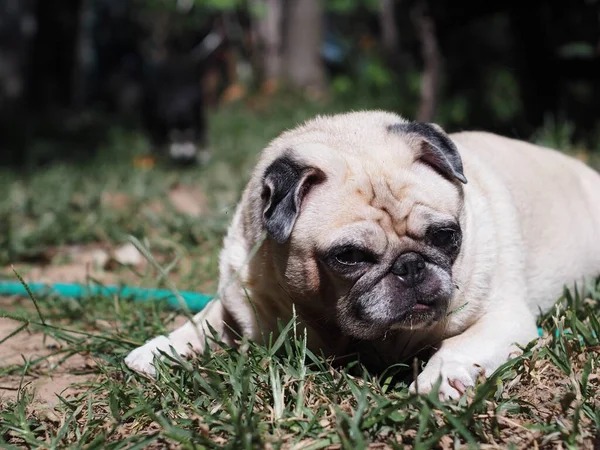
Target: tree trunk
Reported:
[(389, 32), (53, 55), (536, 64), (303, 37), (267, 35), (84, 54), (17, 31), (430, 52)]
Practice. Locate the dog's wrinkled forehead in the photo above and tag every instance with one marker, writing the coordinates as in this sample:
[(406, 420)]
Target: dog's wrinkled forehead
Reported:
[(376, 136), (353, 133), (374, 167)]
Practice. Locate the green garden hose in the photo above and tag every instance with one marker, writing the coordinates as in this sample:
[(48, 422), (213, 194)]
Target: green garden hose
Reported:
[(194, 301)]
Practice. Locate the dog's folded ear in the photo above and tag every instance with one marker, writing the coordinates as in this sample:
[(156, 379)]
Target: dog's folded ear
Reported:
[(285, 184), (435, 148)]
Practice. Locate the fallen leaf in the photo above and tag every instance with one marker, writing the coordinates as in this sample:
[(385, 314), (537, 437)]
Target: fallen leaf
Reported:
[(233, 93), (127, 255), (188, 200), (83, 255), (269, 87), (115, 200), (144, 162), (154, 206), (48, 414)]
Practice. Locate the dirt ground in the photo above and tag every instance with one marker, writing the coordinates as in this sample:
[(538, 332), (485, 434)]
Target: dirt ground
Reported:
[(52, 376)]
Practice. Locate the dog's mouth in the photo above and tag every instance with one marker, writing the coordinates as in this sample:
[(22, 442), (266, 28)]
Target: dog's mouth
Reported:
[(419, 316), (421, 307)]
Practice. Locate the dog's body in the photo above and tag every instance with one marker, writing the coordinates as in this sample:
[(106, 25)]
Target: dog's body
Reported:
[(370, 235)]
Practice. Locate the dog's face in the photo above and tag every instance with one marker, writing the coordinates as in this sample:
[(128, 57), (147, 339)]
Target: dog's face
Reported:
[(365, 222)]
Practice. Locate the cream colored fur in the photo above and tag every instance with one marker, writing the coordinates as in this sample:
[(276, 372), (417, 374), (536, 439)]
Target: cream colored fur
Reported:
[(531, 225)]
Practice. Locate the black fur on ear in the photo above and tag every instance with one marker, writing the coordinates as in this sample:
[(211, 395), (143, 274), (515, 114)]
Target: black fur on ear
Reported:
[(437, 149), (285, 183)]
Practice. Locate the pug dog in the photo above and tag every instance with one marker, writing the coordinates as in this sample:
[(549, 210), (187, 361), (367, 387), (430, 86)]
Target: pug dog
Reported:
[(365, 227)]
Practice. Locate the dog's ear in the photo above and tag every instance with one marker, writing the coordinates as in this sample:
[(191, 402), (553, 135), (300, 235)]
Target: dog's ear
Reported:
[(285, 184), (435, 148)]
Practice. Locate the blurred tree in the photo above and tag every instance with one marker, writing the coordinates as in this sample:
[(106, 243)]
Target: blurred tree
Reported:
[(302, 43), (493, 65), (535, 60), (17, 30), (430, 52), (267, 30), (389, 32), (54, 54), (83, 65)]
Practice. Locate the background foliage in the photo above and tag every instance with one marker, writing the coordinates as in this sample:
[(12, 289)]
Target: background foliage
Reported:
[(72, 71)]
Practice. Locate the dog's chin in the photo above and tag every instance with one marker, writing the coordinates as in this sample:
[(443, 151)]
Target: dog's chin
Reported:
[(362, 329), (418, 317)]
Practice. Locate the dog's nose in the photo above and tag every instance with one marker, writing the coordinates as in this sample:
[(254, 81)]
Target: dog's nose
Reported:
[(410, 268)]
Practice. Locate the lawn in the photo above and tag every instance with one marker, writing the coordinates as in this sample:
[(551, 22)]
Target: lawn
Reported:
[(71, 388)]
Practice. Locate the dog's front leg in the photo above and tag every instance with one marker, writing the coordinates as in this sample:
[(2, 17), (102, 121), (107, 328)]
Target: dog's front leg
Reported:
[(185, 339), (480, 349)]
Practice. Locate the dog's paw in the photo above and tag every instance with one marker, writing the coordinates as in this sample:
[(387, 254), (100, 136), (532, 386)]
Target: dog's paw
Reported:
[(456, 377), (142, 358)]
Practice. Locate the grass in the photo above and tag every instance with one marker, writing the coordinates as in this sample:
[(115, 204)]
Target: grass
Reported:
[(283, 396), (275, 396)]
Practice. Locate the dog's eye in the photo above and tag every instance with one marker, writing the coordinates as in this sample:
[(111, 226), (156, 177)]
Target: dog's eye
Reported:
[(443, 237), (351, 257)]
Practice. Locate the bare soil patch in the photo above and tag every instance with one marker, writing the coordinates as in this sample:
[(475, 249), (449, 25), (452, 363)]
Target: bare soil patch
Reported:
[(52, 374)]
